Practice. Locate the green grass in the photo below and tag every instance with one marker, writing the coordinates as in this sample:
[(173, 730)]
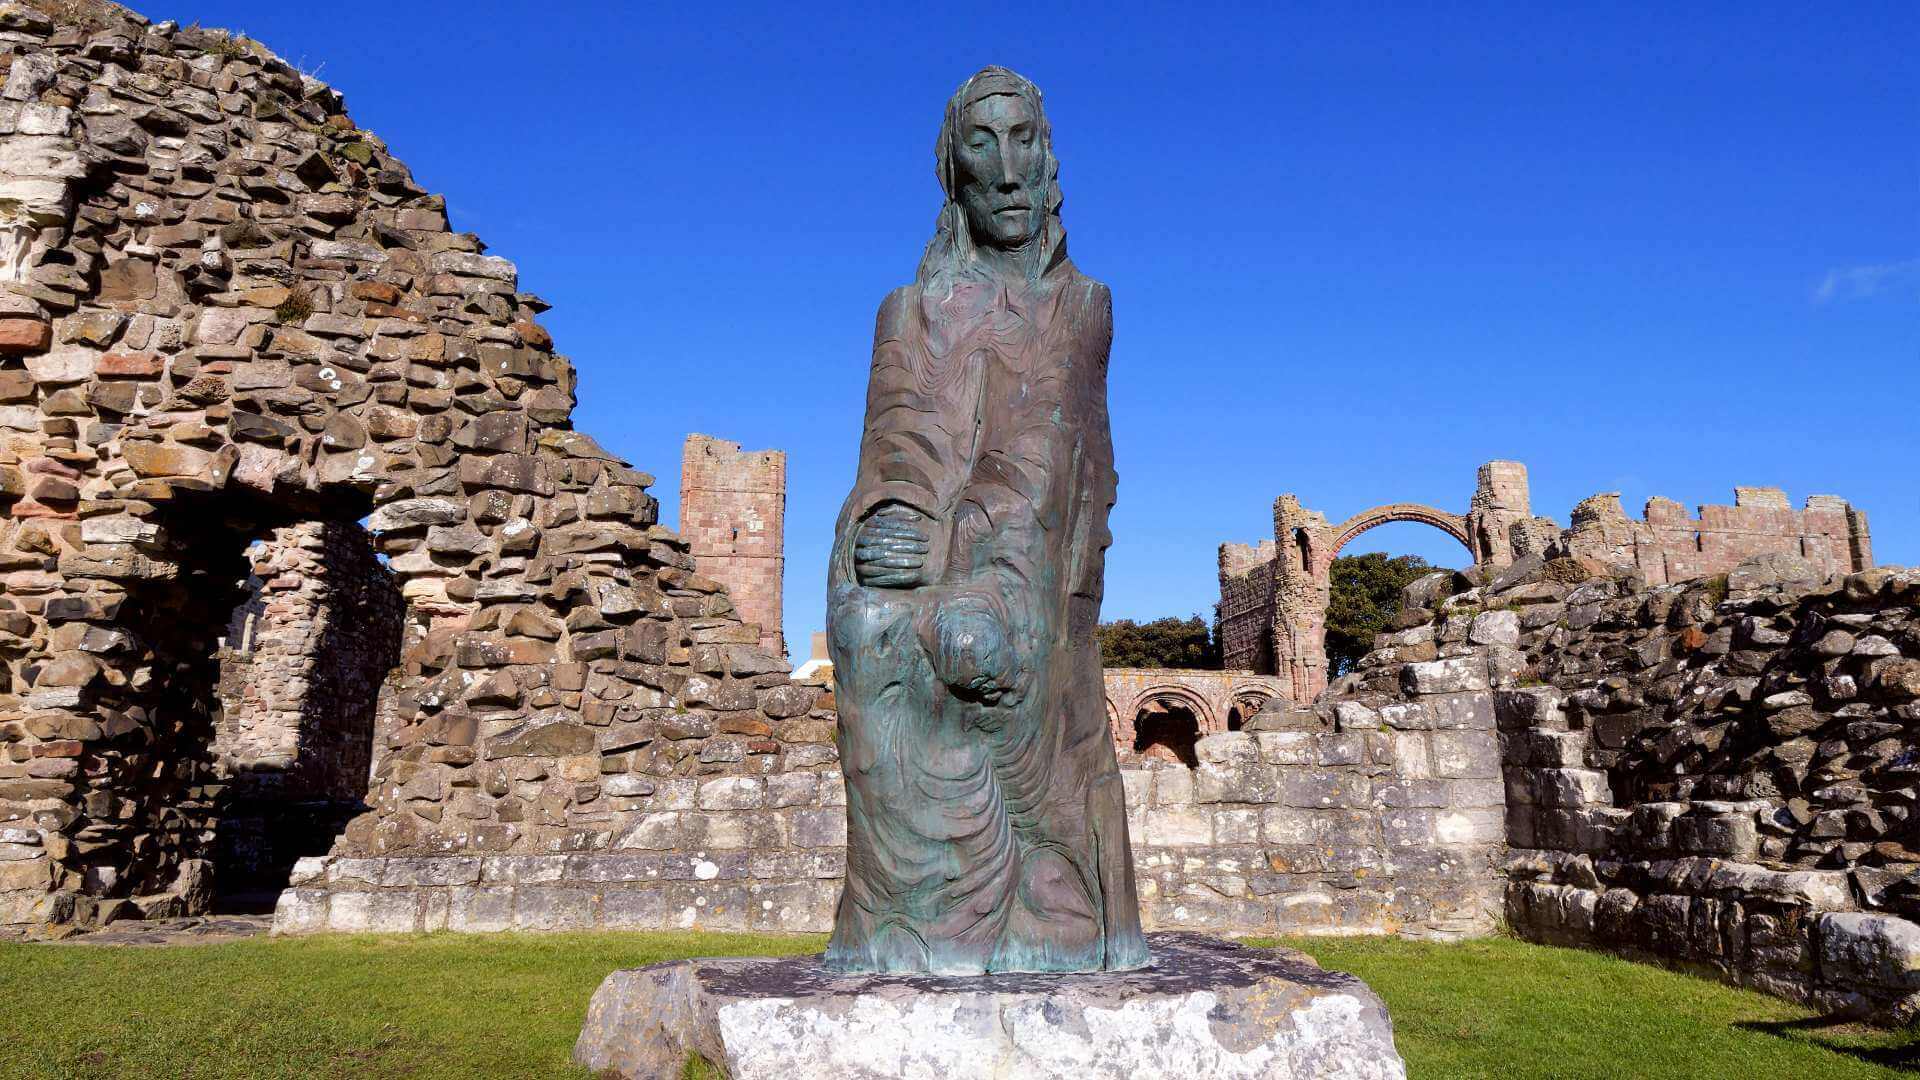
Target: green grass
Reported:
[(1500, 1007), (441, 1005), (486, 1006)]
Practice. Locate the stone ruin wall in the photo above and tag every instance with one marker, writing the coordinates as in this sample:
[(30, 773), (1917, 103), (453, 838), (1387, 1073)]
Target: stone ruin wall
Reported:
[(227, 310), (1669, 545), (1246, 606), (1717, 773), (1312, 822), (229, 313), (733, 513), (302, 663), (301, 668), (1273, 597)]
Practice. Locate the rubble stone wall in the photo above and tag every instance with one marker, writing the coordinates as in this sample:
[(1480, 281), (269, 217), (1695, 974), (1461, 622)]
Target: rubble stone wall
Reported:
[(1719, 773), (224, 308), (733, 513), (301, 671)]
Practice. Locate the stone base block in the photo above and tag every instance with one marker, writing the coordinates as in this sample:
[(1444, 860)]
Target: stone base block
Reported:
[(1205, 1008)]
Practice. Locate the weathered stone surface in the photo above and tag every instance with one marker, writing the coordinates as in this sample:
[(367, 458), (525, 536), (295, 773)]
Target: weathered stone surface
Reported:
[(1205, 1008), (1273, 610), (255, 327), (1877, 950)]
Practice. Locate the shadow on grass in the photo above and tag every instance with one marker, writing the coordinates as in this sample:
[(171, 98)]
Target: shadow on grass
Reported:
[(1903, 1057)]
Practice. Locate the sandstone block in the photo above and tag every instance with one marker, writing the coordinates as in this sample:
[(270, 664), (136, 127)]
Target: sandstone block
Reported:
[(24, 334), (1495, 628), (1877, 950), (1465, 673)]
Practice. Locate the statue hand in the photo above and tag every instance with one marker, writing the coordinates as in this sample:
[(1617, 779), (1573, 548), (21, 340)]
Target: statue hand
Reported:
[(971, 653), (890, 548)]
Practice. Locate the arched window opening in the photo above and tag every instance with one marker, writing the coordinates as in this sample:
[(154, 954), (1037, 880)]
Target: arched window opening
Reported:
[(1166, 730)]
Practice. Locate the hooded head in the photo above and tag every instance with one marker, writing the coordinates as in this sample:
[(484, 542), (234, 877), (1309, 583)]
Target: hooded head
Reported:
[(996, 166)]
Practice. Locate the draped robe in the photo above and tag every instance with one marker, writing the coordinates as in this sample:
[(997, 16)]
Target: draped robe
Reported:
[(986, 825)]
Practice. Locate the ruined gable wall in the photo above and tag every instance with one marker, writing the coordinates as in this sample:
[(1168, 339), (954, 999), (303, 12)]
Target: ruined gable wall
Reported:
[(227, 309)]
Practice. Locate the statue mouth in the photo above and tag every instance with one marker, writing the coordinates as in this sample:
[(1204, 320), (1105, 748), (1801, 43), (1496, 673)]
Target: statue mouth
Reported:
[(1013, 210)]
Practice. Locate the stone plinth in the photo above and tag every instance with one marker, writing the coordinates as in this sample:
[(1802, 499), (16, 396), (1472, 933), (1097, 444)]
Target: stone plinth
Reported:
[(1206, 1008)]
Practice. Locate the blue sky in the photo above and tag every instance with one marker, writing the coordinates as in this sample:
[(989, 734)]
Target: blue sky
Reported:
[(1355, 250)]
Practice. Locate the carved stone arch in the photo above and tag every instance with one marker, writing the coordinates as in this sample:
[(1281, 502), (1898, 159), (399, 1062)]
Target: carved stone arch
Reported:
[(1211, 723), (1453, 525), (1162, 732), (1247, 701)]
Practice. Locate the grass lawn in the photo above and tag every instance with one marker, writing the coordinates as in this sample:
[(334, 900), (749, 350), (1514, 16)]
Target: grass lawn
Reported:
[(510, 1006)]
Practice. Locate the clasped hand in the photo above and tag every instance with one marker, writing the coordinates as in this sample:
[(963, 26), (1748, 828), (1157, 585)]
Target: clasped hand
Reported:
[(890, 548)]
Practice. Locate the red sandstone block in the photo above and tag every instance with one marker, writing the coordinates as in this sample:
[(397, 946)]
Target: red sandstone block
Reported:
[(377, 291), (24, 333), (131, 365)]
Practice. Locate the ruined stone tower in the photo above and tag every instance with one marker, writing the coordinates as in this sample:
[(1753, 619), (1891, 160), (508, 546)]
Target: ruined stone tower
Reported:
[(733, 510)]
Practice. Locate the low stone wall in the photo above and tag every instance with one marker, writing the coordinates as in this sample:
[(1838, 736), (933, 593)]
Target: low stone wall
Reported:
[(1380, 822), (711, 853), (1354, 821)]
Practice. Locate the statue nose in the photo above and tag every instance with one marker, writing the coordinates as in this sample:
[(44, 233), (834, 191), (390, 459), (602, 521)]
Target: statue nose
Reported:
[(1009, 171)]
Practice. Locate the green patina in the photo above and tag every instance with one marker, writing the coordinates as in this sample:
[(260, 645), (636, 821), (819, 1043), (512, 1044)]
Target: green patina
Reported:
[(986, 823)]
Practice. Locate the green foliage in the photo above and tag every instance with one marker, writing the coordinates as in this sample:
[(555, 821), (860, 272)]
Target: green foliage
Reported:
[(1364, 601), (295, 308), (1717, 587), (1162, 643), (228, 45), (447, 1005)]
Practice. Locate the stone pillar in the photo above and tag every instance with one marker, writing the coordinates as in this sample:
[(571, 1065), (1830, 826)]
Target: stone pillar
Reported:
[(1860, 541), (733, 508), (1500, 501), (1246, 607), (1302, 585)]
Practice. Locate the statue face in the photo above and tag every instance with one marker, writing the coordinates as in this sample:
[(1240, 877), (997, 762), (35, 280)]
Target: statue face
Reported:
[(1000, 164)]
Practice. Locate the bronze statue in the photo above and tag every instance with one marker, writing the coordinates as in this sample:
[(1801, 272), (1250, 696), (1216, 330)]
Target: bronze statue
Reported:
[(986, 824)]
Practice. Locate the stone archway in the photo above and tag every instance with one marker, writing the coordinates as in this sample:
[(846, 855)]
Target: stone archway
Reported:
[(1211, 698), (1303, 572), (1245, 705), (1168, 720), (1454, 525)]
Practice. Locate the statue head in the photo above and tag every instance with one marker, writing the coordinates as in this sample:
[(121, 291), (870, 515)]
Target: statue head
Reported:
[(996, 165)]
